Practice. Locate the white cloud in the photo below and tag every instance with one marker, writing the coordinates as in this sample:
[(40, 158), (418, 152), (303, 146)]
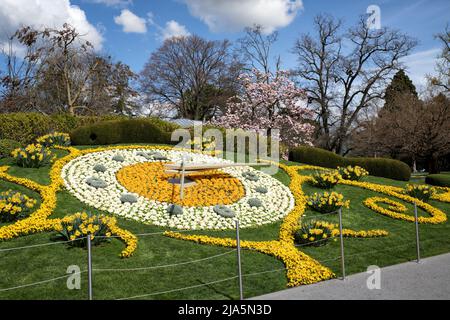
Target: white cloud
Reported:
[(113, 3), (45, 13), (131, 22), (173, 29), (234, 15), (421, 64)]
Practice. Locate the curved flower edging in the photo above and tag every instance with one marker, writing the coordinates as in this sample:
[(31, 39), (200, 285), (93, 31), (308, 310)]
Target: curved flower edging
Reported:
[(38, 221), (300, 268), (437, 216)]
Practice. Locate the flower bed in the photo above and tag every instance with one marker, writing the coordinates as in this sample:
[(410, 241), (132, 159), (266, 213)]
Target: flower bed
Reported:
[(140, 173)]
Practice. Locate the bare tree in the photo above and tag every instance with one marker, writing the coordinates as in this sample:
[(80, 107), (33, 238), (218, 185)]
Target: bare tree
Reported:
[(342, 83), (442, 80), (256, 48), (60, 72), (419, 129), (183, 71)]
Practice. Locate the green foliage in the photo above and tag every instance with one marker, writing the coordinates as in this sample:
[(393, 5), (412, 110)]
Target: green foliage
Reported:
[(316, 156), (174, 210), (54, 139), (26, 127), (97, 183), (400, 84), (383, 167), (127, 197), (325, 180), (420, 191), (315, 233), (7, 146), (224, 211), (77, 228), (379, 167), (32, 156), (99, 167), (327, 202), (441, 180), (254, 202), (147, 130), (14, 205)]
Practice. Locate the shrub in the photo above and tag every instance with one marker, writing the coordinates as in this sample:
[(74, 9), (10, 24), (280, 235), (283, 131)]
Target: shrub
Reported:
[(14, 205), (25, 127), (174, 210), (123, 131), (254, 202), (127, 197), (441, 180), (100, 167), (261, 189), (224, 211), (325, 180), (96, 183), (54, 139), (32, 156), (355, 173), (250, 175), (327, 202), (78, 227), (118, 158), (7, 146), (316, 156), (315, 233), (380, 167), (420, 191)]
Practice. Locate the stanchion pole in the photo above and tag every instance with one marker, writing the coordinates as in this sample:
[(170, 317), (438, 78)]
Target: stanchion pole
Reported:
[(341, 236), (416, 220), (238, 245), (89, 249)]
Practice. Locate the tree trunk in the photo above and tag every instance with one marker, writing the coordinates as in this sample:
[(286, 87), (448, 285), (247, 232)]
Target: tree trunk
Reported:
[(432, 163)]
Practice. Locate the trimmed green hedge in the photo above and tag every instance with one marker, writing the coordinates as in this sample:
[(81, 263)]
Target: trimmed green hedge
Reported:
[(7, 146), (380, 167), (26, 127), (441, 179), (124, 131)]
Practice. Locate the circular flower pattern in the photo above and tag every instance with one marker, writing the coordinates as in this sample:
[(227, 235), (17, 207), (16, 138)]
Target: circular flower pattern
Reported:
[(210, 188), (144, 178)]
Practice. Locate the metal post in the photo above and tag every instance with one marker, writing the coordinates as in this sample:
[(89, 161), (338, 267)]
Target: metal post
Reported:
[(238, 245), (182, 180), (416, 219), (89, 247), (341, 236)]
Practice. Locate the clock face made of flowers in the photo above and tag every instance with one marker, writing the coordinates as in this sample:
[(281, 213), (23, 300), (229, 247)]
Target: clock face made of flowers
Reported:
[(132, 183)]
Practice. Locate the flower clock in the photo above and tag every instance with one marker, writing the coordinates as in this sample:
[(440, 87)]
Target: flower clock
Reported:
[(131, 182)]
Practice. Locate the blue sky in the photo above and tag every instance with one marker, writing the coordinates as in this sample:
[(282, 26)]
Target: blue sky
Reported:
[(130, 30)]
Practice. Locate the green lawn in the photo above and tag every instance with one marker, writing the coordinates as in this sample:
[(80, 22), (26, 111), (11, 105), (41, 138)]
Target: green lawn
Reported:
[(21, 267)]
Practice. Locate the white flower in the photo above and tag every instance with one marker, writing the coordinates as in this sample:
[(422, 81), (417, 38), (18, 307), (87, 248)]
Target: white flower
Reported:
[(277, 202)]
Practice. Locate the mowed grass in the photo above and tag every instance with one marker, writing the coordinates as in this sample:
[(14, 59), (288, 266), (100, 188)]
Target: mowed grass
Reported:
[(25, 266)]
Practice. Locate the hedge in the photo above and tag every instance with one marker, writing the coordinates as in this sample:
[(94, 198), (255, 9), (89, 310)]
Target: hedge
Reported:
[(7, 146), (441, 180), (380, 167), (124, 131), (25, 127)]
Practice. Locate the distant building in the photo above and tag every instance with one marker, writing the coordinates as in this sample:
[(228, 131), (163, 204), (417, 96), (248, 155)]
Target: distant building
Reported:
[(184, 123)]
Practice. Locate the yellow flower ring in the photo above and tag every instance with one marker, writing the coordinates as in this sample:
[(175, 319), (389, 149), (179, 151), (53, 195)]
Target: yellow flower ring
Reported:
[(211, 188)]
